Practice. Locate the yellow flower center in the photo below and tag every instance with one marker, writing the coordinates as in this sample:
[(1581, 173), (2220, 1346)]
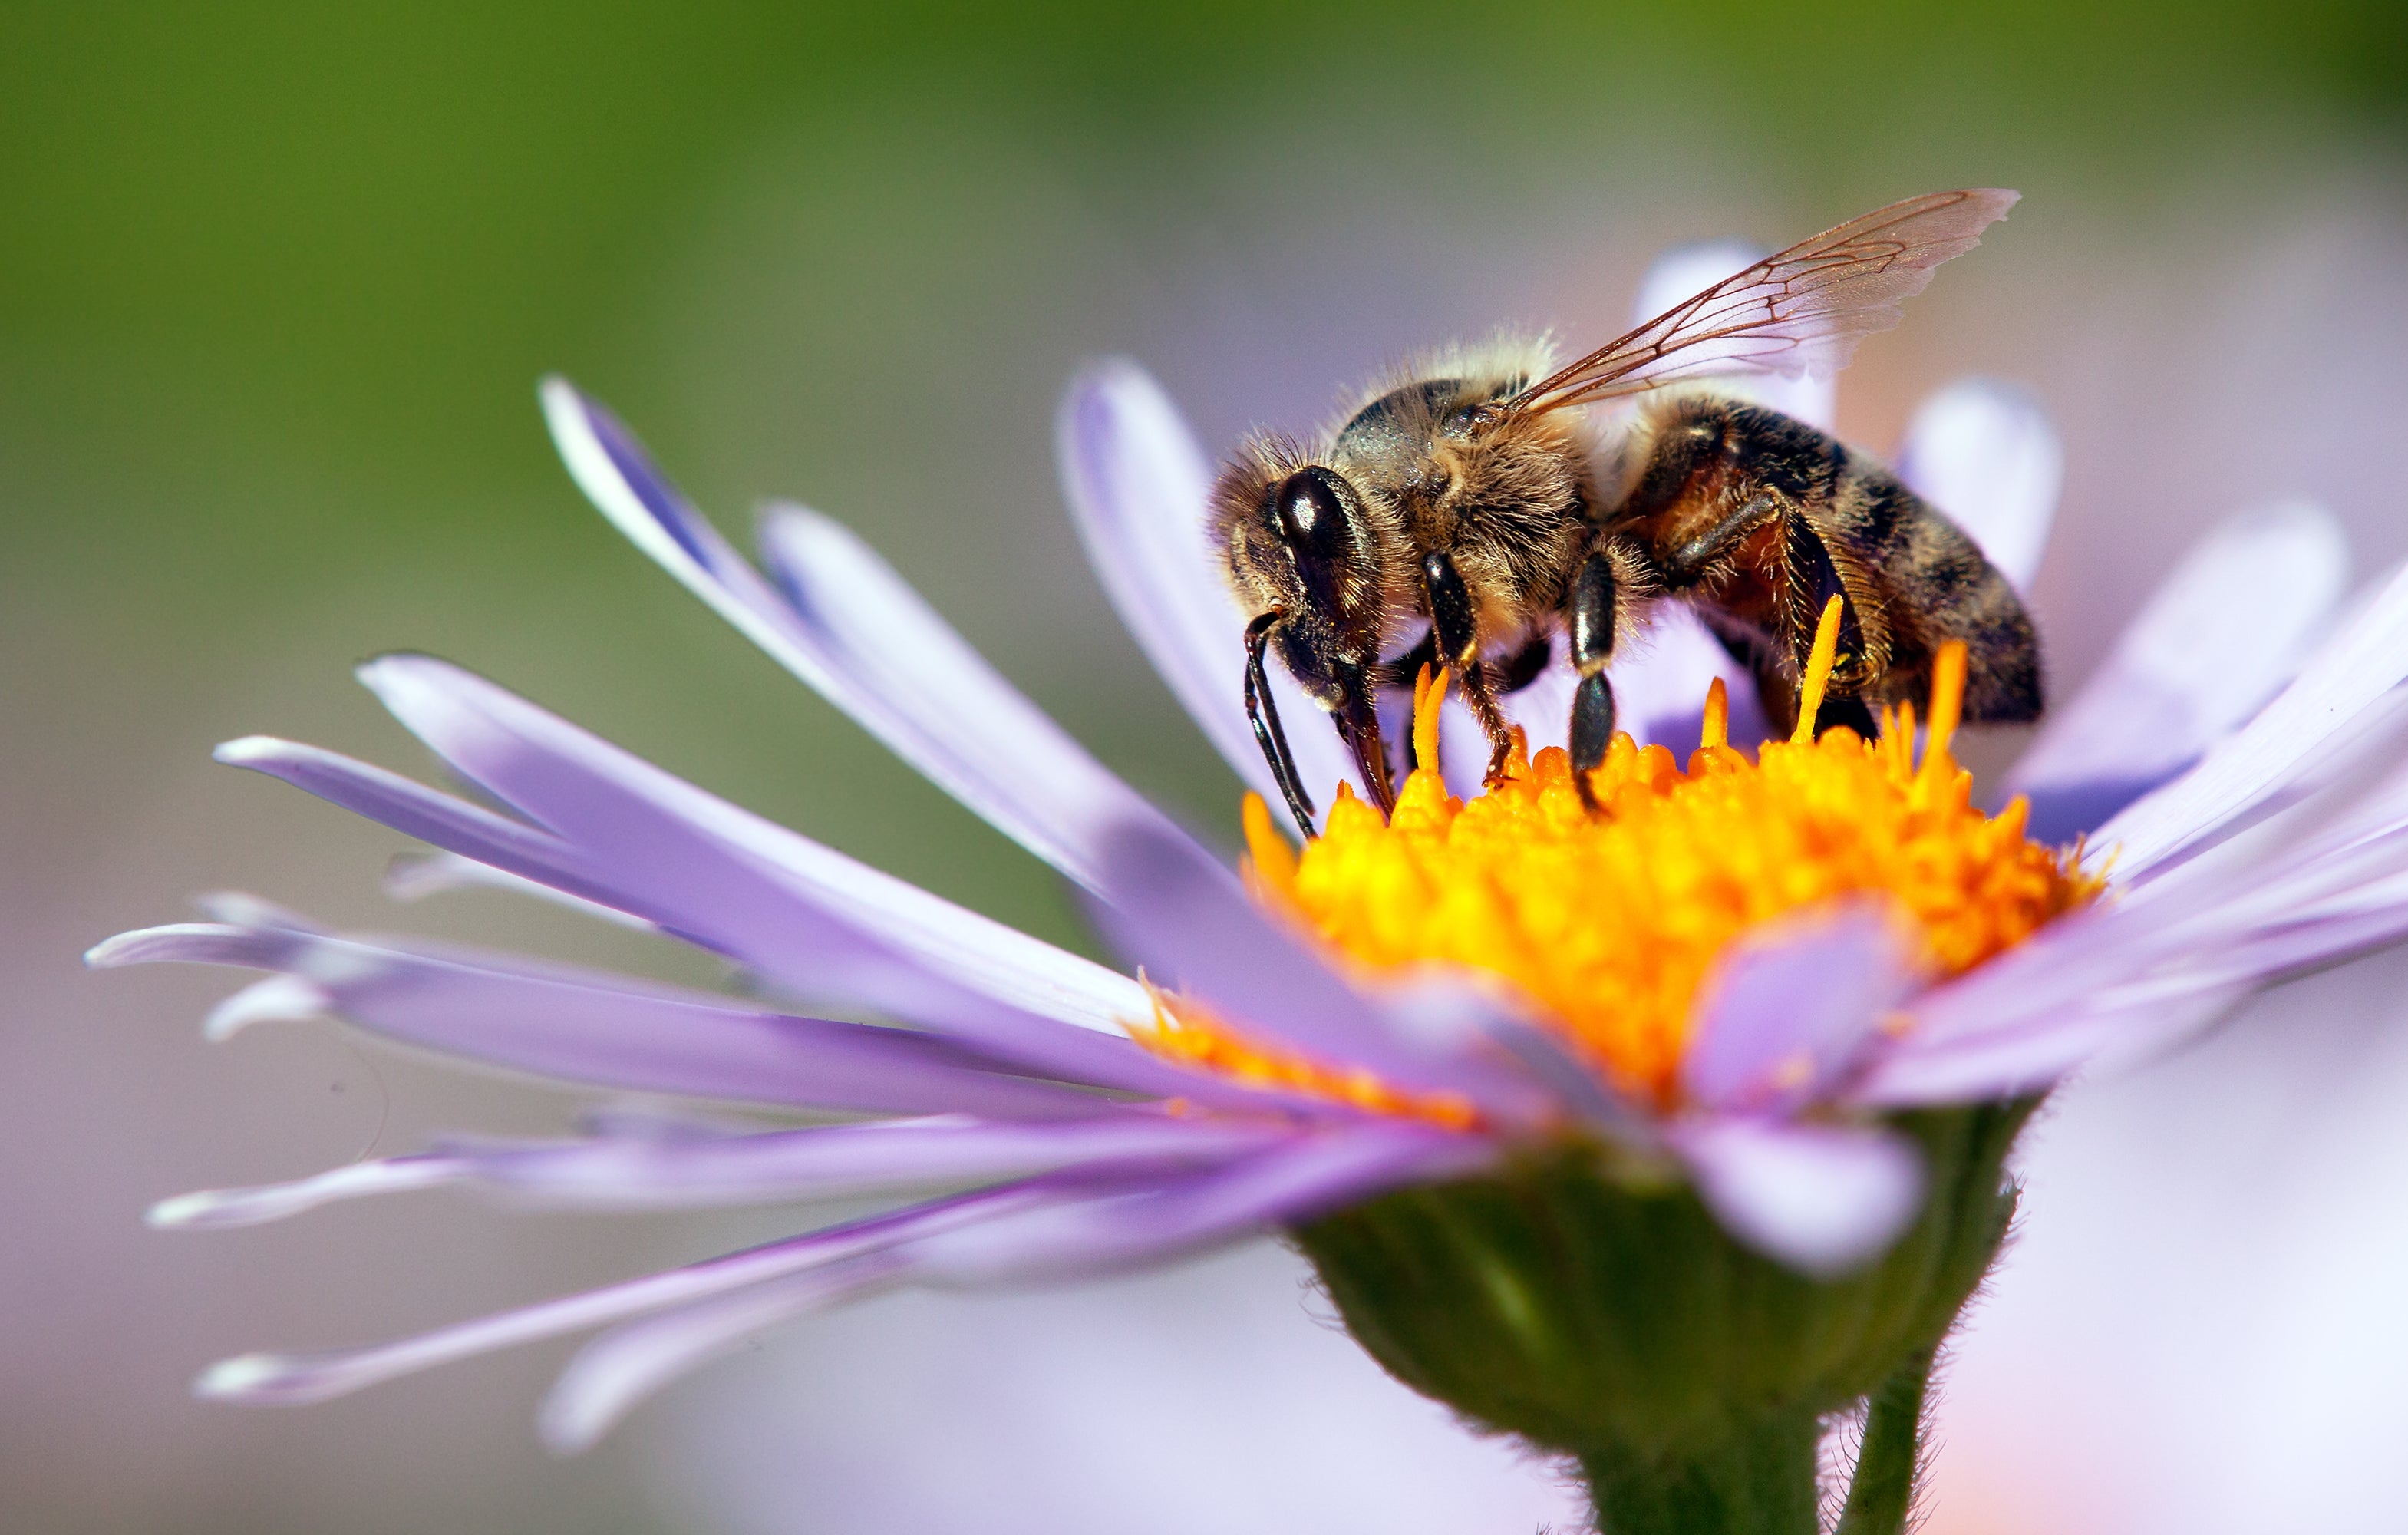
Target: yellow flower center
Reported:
[(1610, 920)]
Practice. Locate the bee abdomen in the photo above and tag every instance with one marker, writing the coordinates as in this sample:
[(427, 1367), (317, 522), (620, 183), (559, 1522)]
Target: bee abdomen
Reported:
[(1938, 586)]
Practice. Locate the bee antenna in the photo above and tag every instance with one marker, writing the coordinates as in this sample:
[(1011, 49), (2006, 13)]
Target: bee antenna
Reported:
[(1263, 714)]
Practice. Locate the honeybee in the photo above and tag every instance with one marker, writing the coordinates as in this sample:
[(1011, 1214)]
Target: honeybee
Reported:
[(1466, 514)]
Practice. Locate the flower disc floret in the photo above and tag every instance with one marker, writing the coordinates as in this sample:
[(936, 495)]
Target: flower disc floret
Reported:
[(1612, 918)]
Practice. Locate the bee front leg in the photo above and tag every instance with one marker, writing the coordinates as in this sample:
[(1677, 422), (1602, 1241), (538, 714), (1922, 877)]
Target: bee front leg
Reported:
[(1457, 629)]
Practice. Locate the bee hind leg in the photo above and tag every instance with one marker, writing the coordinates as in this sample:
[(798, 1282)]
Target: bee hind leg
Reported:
[(1813, 582)]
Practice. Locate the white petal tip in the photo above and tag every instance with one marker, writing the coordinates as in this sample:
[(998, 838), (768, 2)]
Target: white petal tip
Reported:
[(245, 750), (261, 1379), (117, 949), (571, 1424), (277, 999), (563, 404), (187, 1211)]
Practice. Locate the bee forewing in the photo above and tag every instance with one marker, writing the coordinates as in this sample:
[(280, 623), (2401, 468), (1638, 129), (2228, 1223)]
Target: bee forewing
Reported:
[(1799, 311), (1688, 269)]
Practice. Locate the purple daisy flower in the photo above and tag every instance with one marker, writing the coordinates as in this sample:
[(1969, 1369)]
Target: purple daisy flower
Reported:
[(2230, 764)]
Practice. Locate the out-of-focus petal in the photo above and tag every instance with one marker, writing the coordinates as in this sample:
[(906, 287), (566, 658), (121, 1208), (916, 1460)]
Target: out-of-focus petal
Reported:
[(213, 1208), (903, 672), (1137, 485), (1686, 270), (611, 1375), (2226, 630), (928, 696), (1189, 924), (689, 1171), (1985, 453), (1060, 1238), (585, 1027), (1821, 1198), (1306, 1177), (2366, 659), (293, 1379), (2036, 1054), (1785, 1013), (413, 876)]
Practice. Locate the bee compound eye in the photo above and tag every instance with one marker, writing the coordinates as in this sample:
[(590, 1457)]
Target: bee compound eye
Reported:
[(1311, 517)]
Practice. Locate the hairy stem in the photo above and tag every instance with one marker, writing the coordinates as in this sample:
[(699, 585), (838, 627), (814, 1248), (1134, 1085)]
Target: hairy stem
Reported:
[(1882, 1493)]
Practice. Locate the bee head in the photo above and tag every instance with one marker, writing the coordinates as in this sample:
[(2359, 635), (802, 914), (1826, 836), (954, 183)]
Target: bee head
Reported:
[(1299, 546)]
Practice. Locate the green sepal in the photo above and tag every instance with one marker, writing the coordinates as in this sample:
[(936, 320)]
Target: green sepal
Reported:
[(1604, 1314)]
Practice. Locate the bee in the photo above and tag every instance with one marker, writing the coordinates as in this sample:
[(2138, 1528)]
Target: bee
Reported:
[(1469, 514)]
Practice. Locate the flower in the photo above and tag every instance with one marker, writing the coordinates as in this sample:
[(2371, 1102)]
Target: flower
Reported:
[(1392, 1046)]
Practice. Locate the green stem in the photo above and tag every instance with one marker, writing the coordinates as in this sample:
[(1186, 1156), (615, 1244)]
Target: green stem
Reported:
[(1762, 1482), (1882, 1493)]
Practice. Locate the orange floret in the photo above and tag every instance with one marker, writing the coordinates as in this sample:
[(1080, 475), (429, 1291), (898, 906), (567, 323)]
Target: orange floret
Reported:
[(1610, 920)]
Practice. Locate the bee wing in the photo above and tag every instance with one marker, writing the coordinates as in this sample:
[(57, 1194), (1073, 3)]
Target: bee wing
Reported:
[(1800, 310)]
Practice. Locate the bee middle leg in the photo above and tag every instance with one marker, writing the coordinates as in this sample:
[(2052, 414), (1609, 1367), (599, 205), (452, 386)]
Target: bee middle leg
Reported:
[(1612, 574)]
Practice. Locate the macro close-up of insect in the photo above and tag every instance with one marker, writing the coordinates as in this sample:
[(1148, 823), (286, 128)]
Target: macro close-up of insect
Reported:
[(1472, 509)]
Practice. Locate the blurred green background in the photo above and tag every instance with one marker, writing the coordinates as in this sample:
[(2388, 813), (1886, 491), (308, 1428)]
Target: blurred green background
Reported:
[(275, 281)]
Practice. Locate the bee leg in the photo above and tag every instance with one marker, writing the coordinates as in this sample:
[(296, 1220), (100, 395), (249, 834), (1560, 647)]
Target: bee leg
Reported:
[(1592, 646), (1457, 629), (1813, 582), (1263, 714)]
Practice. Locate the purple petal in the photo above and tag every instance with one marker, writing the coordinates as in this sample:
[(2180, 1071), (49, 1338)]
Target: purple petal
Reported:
[(415, 810), (2012, 1061), (2184, 674), (1136, 485), (1786, 1013), (214, 1208), (2319, 881), (689, 1171), (972, 950), (415, 877), (822, 925), (1305, 1177), (908, 678), (581, 1025), (610, 1376), (1985, 453), (1069, 1237), (1821, 1198), (1687, 270), (1185, 919), (2332, 692), (865, 641), (292, 1379)]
